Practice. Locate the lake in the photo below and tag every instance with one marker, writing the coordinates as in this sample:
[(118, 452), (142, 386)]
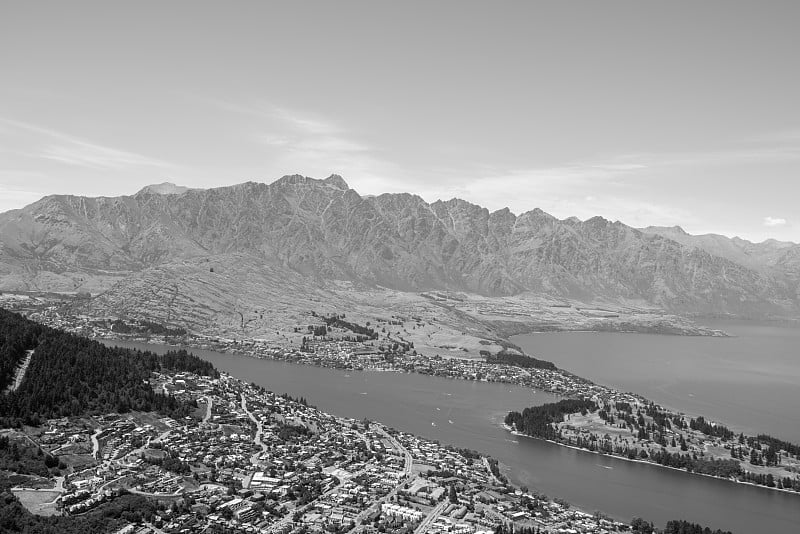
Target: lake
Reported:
[(750, 382), (469, 414)]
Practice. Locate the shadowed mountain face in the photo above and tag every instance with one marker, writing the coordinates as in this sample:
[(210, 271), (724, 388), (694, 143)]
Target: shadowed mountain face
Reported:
[(325, 230)]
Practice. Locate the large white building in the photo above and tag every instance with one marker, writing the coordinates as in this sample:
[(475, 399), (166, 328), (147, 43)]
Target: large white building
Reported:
[(395, 510)]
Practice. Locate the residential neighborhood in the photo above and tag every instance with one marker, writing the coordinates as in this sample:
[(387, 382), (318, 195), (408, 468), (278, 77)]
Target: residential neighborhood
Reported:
[(252, 461)]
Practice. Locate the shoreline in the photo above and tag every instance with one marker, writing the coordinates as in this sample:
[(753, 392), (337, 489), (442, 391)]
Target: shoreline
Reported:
[(697, 331), (142, 341), (505, 427), (639, 461)]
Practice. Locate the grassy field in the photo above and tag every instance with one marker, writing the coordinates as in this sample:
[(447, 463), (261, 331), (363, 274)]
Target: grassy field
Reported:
[(591, 422), (38, 501)]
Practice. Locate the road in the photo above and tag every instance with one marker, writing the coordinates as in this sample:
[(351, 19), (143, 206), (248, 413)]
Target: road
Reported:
[(409, 460), (259, 432), (409, 463), (288, 518), (138, 451), (407, 468), (431, 517), (360, 517)]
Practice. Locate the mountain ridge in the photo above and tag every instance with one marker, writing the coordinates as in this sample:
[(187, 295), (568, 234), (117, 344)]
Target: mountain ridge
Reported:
[(324, 230)]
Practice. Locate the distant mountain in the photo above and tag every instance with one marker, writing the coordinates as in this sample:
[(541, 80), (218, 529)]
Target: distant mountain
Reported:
[(323, 230), (776, 259)]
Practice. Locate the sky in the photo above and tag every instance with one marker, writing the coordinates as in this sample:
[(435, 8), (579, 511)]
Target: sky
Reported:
[(652, 113)]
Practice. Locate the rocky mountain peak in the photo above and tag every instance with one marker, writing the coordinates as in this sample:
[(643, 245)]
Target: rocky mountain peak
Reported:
[(164, 188), (337, 181), (334, 181), (679, 230), (598, 220)]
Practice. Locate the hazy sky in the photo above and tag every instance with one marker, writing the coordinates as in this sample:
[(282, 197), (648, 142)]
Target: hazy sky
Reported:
[(651, 113)]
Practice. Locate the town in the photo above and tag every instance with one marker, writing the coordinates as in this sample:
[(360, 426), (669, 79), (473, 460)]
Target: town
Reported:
[(335, 344), (252, 461), (627, 425)]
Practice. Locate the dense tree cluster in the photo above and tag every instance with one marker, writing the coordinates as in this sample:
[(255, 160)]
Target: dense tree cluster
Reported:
[(148, 328), (180, 360), (292, 433), (778, 444), (538, 421), (69, 375), (519, 360), (14, 342), (494, 466), (714, 467), (640, 526), (684, 527), (714, 430), (170, 464), (542, 422), (108, 517), (21, 456), (317, 331), (338, 321)]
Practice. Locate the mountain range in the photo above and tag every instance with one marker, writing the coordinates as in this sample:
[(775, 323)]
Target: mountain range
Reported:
[(313, 231)]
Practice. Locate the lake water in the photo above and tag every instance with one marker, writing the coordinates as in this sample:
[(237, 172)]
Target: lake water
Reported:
[(750, 382), (426, 405)]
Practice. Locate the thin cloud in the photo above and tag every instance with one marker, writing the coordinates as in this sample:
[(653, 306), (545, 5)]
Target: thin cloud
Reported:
[(97, 156), (317, 146), (620, 166), (73, 150), (303, 133), (277, 116), (306, 123), (773, 222), (776, 151)]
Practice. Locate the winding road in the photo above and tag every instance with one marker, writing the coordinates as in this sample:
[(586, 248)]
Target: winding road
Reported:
[(259, 432)]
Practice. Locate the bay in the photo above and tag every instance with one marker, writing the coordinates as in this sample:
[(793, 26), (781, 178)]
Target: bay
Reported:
[(750, 382), (469, 414)]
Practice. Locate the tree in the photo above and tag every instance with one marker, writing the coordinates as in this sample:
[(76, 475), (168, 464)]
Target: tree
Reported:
[(452, 494), (640, 526)]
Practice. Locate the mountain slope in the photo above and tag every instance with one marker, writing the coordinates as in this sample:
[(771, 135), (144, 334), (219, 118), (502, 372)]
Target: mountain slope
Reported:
[(769, 254), (323, 230)]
